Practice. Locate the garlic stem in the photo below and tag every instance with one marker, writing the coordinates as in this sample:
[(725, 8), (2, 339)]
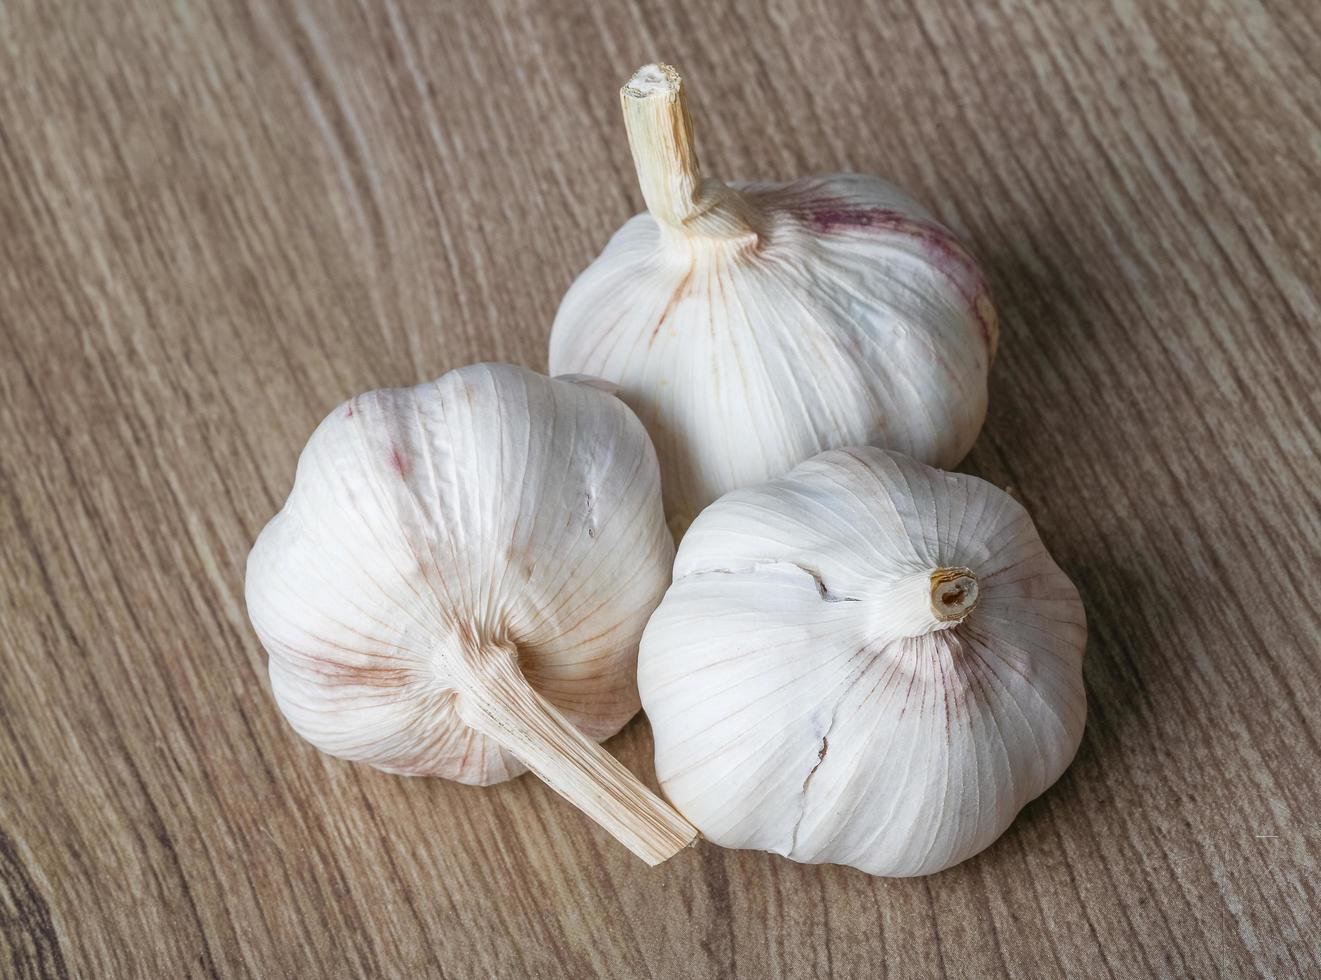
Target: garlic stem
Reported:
[(660, 134), (954, 593), (496, 699)]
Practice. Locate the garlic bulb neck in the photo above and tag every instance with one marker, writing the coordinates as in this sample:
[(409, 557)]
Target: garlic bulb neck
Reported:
[(954, 594), (660, 134), (919, 602), (494, 698)]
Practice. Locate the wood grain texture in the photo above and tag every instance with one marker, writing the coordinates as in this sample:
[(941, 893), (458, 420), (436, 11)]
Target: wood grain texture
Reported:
[(222, 219)]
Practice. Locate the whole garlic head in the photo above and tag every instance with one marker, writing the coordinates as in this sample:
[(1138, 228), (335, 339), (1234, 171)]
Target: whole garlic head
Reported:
[(752, 326), (867, 662), (457, 584)]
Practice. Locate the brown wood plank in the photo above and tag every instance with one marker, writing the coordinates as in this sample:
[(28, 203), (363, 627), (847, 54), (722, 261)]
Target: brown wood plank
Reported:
[(222, 219)]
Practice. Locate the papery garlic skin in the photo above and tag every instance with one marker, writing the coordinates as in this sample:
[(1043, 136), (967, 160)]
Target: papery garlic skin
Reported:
[(752, 326), (867, 662), (459, 578)]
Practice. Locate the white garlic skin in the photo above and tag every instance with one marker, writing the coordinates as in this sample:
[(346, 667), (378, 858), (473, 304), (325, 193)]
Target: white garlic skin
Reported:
[(846, 316), (804, 696), (491, 509)]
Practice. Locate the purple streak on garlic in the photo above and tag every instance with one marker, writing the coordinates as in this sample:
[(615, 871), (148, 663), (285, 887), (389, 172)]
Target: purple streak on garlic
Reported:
[(867, 662), (457, 584), (752, 326)]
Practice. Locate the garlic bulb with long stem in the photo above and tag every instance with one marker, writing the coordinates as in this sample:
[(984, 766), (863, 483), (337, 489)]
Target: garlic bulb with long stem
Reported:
[(457, 584), (752, 326), (868, 662)]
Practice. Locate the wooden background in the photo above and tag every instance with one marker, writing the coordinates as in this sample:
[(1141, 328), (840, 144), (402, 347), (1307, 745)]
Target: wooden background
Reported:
[(220, 219)]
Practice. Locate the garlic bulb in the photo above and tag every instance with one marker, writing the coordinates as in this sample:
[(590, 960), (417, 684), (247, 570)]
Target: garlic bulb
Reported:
[(457, 584), (867, 662), (752, 326)]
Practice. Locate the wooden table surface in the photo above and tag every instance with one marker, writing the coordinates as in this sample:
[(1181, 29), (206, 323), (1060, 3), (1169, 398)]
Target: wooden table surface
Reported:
[(220, 220)]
